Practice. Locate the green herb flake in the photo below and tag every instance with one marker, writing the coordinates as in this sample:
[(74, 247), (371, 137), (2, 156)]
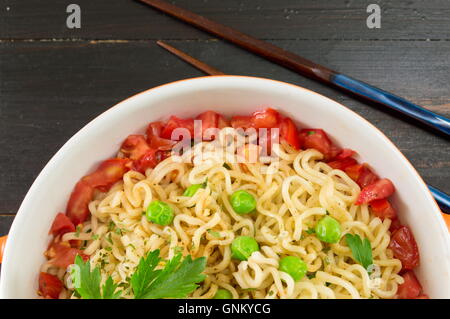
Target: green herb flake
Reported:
[(214, 233), (109, 239), (77, 231), (177, 250), (311, 275)]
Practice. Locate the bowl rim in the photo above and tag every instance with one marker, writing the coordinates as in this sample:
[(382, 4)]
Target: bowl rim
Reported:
[(20, 215)]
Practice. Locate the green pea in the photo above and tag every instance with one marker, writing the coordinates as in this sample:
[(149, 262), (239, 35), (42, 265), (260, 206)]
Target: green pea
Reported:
[(223, 294), (191, 190), (328, 230), (243, 247), (242, 202), (294, 266), (159, 213)]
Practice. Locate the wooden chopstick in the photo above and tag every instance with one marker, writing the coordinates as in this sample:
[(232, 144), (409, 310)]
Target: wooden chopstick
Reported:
[(307, 67), (192, 61)]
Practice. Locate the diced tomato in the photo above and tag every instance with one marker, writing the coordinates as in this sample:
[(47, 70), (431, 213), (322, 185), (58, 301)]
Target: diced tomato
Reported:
[(344, 153), (108, 173), (62, 255), (411, 288), (289, 133), (380, 189), (223, 122), (395, 224), (61, 225), (154, 140), (210, 120), (361, 174), (334, 151), (266, 140), (342, 164), (77, 208), (354, 171), (162, 144), (405, 248), (267, 118), (148, 160), (162, 155), (154, 129), (75, 243), (318, 139), (49, 286), (367, 177), (135, 146), (243, 122), (174, 123), (383, 209)]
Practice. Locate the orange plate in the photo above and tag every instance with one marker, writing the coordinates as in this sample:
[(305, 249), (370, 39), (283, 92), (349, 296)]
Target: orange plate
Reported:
[(2, 246), (447, 220)]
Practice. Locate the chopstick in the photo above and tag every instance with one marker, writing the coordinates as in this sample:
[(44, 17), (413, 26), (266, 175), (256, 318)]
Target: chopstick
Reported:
[(192, 61), (307, 67), (441, 198)]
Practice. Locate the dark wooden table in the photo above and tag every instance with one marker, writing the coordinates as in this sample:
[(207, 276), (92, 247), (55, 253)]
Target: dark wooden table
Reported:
[(54, 80)]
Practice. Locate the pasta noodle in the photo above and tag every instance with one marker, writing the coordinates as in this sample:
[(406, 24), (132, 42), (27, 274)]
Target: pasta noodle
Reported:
[(293, 191)]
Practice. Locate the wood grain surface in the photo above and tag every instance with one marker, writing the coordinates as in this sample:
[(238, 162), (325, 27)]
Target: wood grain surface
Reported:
[(54, 80)]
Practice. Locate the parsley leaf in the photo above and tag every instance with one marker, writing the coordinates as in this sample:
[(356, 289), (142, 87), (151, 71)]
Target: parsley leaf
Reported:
[(109, 289), (145, 273), (87, 282), (176, 280), (361, 249)]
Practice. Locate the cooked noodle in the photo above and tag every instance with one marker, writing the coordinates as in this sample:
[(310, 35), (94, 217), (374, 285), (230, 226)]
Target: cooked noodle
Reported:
[(293, 193)]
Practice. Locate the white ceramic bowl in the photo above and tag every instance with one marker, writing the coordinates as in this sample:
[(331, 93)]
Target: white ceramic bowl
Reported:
[(230, 95)]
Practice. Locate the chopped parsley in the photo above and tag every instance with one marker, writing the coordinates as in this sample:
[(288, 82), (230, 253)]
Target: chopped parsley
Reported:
[(214, 233), (109, 239), (77, 231)]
